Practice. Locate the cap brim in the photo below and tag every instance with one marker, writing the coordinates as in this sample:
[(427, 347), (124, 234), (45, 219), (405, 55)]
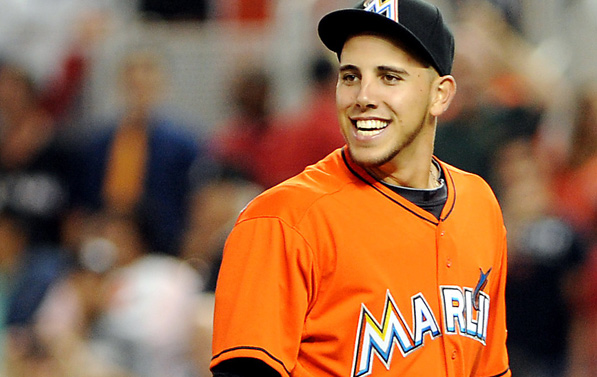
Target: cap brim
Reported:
[(336, 27)]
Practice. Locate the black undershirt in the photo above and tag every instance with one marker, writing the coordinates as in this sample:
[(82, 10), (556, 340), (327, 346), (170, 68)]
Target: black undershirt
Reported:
[(431, 200)]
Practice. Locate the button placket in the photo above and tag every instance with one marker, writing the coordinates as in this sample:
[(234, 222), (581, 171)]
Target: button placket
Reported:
[(442, 235)]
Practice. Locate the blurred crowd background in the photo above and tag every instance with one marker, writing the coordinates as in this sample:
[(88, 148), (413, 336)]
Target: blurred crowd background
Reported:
[(132, 132)]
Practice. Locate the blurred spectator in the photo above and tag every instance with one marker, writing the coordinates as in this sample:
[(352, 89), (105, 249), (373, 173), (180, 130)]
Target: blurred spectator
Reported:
[(26, 274), (248, 144), (314, 127), (266, 147), (497, 99), (126, 306), (214, 210), (545, 255), (578, 202), (143, 157), (468, 135), (63, 91), (577, 184), (35, 167), (146, 323)]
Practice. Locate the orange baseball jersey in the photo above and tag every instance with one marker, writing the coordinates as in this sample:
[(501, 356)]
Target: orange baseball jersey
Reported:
[(333, 274)]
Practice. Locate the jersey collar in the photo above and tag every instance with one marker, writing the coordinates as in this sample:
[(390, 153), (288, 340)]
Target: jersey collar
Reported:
[(362, 175)]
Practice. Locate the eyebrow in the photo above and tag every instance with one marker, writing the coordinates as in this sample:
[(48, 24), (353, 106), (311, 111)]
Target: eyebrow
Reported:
[(381, 68), (400, 71), (348, 67)]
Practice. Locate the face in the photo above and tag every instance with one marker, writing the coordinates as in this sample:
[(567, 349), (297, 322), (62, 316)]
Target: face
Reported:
[(385, 99), (143, 81)]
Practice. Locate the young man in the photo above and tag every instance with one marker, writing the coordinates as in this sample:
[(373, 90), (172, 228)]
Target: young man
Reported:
[(380, 259)]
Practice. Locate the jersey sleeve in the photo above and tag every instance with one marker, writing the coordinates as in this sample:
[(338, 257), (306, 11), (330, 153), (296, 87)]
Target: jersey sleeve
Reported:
[(494, 358), (264, 289)]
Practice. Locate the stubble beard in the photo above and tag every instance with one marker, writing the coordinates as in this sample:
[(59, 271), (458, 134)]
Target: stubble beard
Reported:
[(391, 154)]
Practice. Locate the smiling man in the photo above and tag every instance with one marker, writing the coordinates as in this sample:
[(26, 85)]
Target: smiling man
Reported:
[(379, 259)]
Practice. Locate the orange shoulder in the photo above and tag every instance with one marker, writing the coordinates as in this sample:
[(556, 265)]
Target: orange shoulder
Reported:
[(292, 198)]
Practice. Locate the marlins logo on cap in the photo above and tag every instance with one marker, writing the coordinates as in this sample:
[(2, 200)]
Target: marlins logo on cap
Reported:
[(387, 8)]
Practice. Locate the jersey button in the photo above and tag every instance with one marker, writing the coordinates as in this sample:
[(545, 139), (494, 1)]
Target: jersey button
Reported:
[(449, 263), (454, 354)]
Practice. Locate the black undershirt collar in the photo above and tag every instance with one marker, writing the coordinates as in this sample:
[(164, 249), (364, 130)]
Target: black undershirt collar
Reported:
[(431, 200)]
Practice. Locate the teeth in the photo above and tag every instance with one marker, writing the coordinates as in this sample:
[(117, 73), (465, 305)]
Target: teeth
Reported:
[(371, 125), (369, 132)]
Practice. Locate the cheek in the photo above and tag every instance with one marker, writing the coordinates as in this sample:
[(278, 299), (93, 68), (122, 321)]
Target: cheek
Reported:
[(345, 97), (414, 102)]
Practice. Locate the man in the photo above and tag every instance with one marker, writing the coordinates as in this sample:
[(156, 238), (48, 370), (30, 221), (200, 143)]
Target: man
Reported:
[(143, 156), (380, 259)]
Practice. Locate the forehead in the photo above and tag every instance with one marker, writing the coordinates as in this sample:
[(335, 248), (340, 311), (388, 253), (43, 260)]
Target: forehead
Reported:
[(379, 48)]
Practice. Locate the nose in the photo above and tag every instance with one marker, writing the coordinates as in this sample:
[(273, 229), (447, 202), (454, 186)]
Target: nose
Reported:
[(366, 95)]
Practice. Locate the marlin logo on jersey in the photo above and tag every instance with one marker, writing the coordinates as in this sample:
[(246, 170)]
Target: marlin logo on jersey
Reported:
[(381, 338), (480, 286), (386, 8)]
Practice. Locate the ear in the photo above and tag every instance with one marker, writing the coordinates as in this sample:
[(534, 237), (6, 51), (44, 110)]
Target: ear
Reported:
[(444, 89)]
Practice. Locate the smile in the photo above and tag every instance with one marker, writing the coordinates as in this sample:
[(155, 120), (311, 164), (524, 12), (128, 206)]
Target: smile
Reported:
[(370, 127)]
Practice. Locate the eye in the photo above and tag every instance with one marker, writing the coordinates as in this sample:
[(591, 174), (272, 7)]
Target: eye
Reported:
[(348, 77), (391, 78)]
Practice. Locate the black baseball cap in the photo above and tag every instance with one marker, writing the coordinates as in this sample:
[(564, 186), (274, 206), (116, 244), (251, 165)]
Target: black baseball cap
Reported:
[(417, 24)]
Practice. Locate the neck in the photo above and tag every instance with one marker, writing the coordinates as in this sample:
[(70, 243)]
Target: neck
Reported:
[(412, 166), (424, 178)]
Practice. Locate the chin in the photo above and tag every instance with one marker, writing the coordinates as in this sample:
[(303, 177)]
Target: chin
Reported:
[(370, 158)]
